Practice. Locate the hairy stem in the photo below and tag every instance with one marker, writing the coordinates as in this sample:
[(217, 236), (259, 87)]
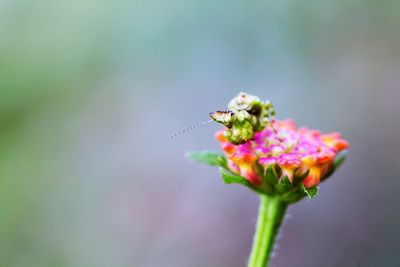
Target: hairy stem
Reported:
[(270, 216)]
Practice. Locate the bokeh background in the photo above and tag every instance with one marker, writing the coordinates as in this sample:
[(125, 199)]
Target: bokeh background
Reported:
[(90, 90)]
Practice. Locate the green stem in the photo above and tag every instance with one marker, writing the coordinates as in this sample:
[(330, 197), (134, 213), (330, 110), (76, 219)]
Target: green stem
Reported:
[(270, 216)]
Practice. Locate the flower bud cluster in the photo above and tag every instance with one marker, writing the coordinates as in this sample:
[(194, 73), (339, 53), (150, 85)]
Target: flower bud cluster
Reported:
[(247, 115)]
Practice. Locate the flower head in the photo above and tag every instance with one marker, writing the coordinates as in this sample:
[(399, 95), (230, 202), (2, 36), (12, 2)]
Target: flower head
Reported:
[(270, 156), (274, 158), (302, 155)]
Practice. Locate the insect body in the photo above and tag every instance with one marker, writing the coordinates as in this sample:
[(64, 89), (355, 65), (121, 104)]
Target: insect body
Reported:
[(226, 117), (247, 115)]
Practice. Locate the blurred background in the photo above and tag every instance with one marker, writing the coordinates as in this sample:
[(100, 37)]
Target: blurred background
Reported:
[(90, 90)]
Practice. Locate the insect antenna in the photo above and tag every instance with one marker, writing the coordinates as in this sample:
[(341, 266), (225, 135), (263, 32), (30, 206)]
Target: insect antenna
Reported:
[(188, 129)]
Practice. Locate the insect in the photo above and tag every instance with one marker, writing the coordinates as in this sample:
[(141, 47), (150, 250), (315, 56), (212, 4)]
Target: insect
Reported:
[(226, 117), (247, 115)]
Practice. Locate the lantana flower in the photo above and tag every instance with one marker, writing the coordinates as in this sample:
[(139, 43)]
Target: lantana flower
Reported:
[(275, 158), (302, 156)]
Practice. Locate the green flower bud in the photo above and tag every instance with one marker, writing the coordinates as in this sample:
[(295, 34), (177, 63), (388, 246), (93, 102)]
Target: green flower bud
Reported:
[(247, 115)]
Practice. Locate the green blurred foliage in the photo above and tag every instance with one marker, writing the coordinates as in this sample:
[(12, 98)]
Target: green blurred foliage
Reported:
[(50, 57), (54, 54)]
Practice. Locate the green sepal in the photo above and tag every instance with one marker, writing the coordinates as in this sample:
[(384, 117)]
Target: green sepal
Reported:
[(269, 176), (339, 159), (310, 192), (284, 185), (230, 178), (209, 158), (293, 196)]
